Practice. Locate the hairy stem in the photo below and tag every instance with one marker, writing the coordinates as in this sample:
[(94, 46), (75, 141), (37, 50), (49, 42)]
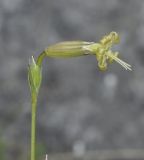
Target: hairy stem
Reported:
[(33, 125)]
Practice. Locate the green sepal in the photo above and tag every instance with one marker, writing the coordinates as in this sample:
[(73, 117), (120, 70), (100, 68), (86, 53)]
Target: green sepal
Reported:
[(34, 76)]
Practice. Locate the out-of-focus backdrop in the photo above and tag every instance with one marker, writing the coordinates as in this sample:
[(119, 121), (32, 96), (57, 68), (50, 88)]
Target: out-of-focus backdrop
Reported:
[(80, 109)]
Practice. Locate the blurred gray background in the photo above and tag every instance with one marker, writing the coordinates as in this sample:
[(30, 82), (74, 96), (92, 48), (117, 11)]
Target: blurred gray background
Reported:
[(80, 108)]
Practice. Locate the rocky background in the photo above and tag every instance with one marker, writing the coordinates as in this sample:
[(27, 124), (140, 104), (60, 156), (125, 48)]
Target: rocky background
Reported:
[(79, 108)]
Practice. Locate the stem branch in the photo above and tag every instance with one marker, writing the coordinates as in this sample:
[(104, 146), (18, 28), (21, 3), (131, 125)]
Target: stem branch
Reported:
[(40, 58)]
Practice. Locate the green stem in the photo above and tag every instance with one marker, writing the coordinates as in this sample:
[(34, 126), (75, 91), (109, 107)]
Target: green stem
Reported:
[(33, 125), (34, 75), (40, 58)]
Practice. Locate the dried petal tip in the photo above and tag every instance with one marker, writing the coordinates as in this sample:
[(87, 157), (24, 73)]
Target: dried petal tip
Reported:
[(32, 61)]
